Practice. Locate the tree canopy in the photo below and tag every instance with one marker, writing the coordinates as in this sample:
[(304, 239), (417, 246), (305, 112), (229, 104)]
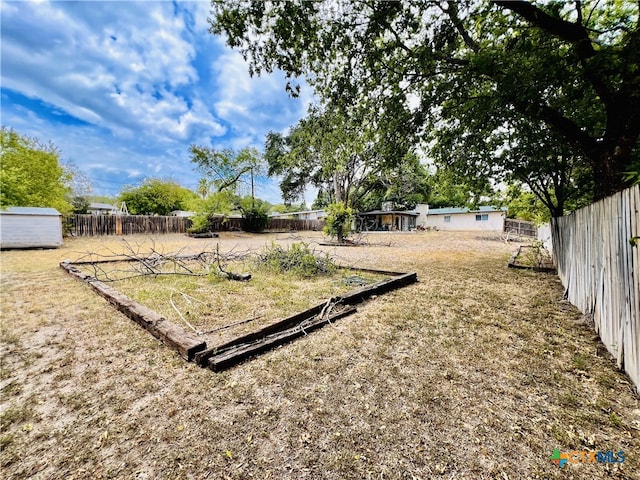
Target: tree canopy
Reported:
[(224, 169), (31, 174), (489, 82), (340, 154), (157, 197)]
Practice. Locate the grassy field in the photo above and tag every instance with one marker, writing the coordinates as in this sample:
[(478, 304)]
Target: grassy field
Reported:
[(477, 371)]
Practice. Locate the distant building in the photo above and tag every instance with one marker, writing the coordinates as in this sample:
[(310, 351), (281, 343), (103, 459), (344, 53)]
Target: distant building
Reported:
[(183, 213), (386, 219), (302, 215), (103, 209)]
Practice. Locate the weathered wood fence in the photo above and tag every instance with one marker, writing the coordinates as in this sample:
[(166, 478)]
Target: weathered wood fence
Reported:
[(600, 268), (96, 225), (520, 227)]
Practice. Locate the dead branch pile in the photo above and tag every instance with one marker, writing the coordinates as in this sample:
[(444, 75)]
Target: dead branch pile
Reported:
[(139, 260), (298, 259)]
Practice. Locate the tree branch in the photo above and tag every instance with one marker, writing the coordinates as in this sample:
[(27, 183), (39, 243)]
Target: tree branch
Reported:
[(452, 11), (569, 31), (232, 181)]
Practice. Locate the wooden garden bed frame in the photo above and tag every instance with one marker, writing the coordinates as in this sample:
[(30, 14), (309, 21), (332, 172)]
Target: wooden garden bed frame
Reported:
[(219, 357), (544, 264)]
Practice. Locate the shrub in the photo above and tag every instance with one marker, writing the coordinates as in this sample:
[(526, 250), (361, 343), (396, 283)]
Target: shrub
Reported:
[(254, 220), (200, 224), (298, 259), (338, 221)]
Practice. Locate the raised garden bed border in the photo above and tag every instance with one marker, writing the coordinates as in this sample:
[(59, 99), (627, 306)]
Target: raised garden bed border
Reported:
[(219, 357)]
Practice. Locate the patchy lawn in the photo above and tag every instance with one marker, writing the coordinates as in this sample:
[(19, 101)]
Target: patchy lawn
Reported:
[(478, 371)]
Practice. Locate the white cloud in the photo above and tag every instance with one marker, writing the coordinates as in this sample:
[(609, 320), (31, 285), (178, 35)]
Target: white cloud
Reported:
[(123, 88), (253, 105), (117, 67)]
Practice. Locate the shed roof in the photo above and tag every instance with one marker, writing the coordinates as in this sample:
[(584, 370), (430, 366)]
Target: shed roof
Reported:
[(455, 210), (276, 214), (40, 211)]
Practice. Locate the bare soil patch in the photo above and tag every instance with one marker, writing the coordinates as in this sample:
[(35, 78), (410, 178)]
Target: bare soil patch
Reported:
[(478, 371)]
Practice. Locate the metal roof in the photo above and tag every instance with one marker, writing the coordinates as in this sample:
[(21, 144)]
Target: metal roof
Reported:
[(102, 206), (455, 210), (41, 211)]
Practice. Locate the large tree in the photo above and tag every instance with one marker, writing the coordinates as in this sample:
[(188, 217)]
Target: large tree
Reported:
[(341, 154), (424, 66), (157, 197), (31, 174)]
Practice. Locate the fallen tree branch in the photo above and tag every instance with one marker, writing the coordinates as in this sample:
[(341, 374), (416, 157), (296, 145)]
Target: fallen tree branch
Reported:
[(198, 332), (231, 325)]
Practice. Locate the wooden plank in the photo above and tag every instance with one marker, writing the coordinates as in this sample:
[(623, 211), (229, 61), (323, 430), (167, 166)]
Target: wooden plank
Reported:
[(632, 330), (185, 343), (236, 355), (353, 297)]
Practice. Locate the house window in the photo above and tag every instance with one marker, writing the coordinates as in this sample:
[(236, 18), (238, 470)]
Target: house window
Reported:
[(447, 219), (482, 217)]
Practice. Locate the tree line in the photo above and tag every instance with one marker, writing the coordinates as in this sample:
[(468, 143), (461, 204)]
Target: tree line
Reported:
[(535, 105), (541, 95), (32, 174)]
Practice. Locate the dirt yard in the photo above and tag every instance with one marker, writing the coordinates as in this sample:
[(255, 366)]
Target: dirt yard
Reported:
[(476, 372)]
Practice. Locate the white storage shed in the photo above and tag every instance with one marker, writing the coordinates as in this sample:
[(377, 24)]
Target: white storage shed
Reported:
[(30, 227)]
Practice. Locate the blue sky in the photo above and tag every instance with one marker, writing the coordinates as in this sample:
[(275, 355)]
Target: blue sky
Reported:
[(123, 88)]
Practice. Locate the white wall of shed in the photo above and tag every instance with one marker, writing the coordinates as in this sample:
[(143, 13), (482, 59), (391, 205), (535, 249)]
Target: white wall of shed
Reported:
[(30, 231)]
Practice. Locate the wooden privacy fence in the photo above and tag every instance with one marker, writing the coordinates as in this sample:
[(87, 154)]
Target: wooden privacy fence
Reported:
[(96, 225), (600, 269), (520, 227), (284, 224)]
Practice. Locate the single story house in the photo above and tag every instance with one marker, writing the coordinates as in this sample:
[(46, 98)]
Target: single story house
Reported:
[(387, 220), (303, 215), (30, 227), (455, 218), (102, 209)]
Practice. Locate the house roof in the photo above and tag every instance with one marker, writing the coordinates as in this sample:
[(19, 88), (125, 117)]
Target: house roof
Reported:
[(276, 214), (102, 206), (455, 210), (31, 211), (391, 212)]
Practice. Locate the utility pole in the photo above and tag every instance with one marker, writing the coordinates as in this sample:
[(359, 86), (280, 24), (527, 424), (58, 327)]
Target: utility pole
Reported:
[(253, 198)]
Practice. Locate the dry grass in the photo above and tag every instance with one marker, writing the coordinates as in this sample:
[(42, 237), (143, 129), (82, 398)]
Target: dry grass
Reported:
[(478, 371), (218, 309)]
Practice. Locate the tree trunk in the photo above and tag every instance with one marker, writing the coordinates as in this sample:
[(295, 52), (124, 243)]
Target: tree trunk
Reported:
[(608, 172)]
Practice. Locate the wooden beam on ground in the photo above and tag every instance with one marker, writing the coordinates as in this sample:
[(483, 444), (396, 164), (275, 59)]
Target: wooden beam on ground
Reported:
[(369, 270), (205, 357), (241, 352), (378, 288), (185, 343), (222, 356)]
